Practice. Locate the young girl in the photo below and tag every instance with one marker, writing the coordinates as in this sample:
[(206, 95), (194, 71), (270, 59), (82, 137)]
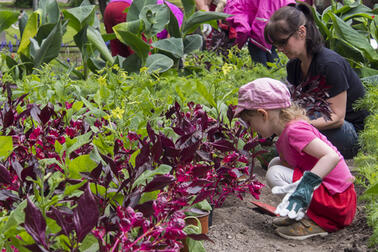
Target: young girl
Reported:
[(323, 199)]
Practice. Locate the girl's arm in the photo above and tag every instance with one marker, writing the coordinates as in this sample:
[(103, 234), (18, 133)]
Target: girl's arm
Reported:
[(327, 157), (338, 108)]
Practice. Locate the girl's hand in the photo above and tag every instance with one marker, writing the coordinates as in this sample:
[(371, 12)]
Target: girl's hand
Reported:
[(298, 197)]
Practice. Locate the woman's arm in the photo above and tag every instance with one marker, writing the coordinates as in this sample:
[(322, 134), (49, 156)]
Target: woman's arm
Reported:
[(327, 157), (338, 108)]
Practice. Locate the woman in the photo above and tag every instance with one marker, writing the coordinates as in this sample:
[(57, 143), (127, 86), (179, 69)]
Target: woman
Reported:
[(293, 31)]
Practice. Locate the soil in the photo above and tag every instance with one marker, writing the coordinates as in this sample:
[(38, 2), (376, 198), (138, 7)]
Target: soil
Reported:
[(239, 226)]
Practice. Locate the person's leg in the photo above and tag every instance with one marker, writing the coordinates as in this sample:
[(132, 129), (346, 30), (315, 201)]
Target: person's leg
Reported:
[(277, 174), (271, 57), (258, 55), (345, 139)]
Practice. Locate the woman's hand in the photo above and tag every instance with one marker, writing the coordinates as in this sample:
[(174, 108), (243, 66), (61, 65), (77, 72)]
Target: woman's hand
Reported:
[(338, 108)]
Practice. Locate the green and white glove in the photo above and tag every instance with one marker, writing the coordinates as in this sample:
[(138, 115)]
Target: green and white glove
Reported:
[(298, 196)]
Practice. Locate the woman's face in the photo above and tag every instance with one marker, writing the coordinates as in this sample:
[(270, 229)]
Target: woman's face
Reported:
[(292, 45)]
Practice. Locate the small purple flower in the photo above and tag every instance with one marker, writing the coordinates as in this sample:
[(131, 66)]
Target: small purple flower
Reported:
[(10, 46), (2, 45), (68, 60)]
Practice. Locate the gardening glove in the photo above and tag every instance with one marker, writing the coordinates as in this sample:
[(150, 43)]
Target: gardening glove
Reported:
[(206, 29), (298, 197)]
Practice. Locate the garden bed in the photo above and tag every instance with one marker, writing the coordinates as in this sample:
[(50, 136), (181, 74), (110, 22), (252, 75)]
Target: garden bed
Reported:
[(237, 226)]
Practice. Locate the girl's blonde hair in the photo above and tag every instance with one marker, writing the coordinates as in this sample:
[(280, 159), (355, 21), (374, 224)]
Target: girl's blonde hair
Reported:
[(294, 112)]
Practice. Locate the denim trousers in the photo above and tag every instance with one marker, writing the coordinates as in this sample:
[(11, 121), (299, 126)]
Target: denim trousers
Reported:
[(345, 139), (259, 55)]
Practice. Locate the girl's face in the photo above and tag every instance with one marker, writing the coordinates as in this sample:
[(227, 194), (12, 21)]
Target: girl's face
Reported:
[(260, 122)]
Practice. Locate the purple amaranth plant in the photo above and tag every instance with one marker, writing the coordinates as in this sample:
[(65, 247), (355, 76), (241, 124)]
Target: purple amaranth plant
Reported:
[(208, 155), (312, 95), (203, 163)]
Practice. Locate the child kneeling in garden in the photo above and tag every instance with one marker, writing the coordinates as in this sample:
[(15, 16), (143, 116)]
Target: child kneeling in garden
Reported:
[(320, 195)]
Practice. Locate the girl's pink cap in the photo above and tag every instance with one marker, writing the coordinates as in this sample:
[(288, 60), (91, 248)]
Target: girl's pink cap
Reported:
[(264, 93)]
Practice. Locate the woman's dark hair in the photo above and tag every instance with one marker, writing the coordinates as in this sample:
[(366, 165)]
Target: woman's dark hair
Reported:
[(287, 20)]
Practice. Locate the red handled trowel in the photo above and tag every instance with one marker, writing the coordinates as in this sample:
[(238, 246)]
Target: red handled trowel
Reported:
[(264, 208)]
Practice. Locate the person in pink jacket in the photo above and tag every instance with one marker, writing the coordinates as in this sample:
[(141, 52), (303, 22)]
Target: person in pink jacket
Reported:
[(249, 20)]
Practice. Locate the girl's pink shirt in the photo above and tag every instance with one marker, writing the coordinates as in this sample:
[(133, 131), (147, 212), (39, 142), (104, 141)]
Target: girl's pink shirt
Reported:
[(294, 138)]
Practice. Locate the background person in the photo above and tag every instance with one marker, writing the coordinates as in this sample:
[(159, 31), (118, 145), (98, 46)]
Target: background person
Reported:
[(249, 19), (293, 31), (323, 199)]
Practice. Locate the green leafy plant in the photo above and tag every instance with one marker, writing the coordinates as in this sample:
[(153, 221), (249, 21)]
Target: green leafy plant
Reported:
[(367, 158), (147, 18), (347, 29)]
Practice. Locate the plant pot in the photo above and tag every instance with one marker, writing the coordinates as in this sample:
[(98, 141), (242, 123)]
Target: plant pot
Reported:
[(203, 219)]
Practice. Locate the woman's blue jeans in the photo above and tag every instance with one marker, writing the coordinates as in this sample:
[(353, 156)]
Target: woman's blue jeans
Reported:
[(259, 55), (344, 138)]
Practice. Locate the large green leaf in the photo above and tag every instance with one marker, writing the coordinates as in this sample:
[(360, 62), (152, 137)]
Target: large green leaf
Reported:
[(49, 49), (191, 24), (346, 50), (81, 164), (132, 63), (6, 146), (137, 44), (22, 23), (80, 16), (192, 42), (189, 7), (7, 18), (31, 29), (158, 62), (349, 11), (155, 18), (50, 11), (174, 46), (148, 175), (135, 26), (94, 36), (319, 22), (81, 40), (135, 9), (353, 37)]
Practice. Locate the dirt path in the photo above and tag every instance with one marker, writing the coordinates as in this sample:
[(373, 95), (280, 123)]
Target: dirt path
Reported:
[(237, 226)]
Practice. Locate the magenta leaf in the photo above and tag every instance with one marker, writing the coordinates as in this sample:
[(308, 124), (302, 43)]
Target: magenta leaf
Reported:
[(5, 176), (63, 219), (159, 182), (46, 113), (8, 118), (86, 214), (200, 237), (35, 223), (223, 145), (146, 208), (157, 150)]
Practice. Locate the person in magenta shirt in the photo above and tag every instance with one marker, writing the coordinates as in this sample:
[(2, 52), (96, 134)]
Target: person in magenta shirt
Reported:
[(249, 19), (310, 171), (115, 14)]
